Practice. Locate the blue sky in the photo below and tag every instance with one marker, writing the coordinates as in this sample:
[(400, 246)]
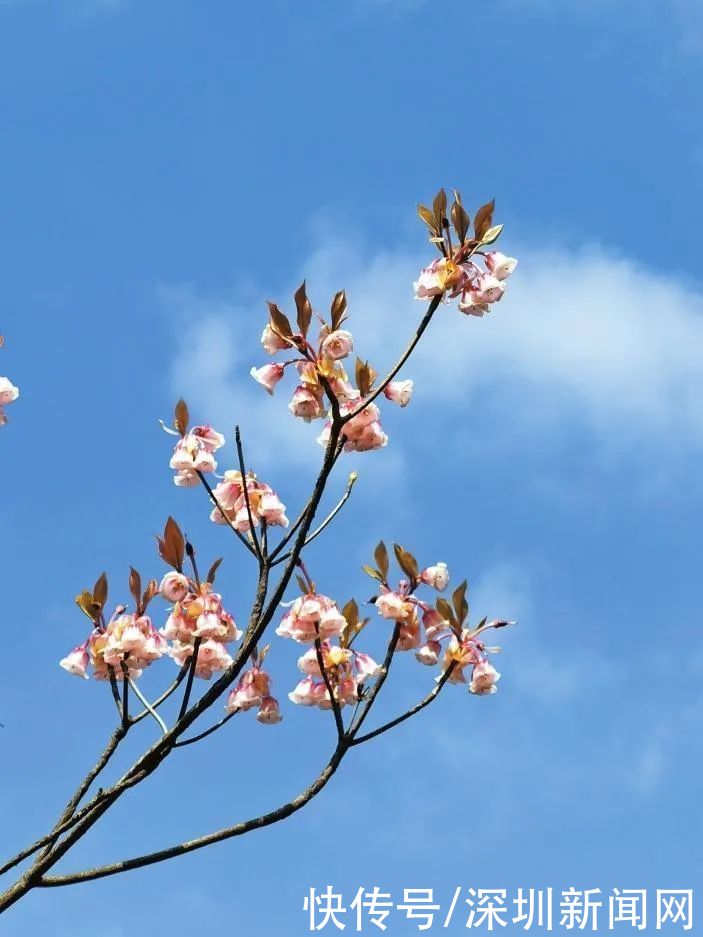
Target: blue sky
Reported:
[(167, 166)]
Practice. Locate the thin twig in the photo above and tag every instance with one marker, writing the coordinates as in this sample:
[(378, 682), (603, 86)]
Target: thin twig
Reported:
[(165, 695), (432, 695), (219, 507), (431, 309), (328, 520), (147, 705), (380, 680), (189, 681), (203, 735), (336, 709), (242, 471)]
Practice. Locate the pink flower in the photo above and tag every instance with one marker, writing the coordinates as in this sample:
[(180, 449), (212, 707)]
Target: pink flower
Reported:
[(461, 653), (311, 616), (272, 510), (409, 635), (392, 605), (365, 666), (269, 712), (436, 576), (433, 623), (499, 265), (185, 479), (488, 289), (428, 654), (8, 391), (228, 491), (272, 341), (305, 693), (251, 690), (399, 392), (337, 345), (268, 376), (194, 453), (76, 662), (306, 403), (174, 587), (439, 276), (212, 657), (209, 438), (484, 679)]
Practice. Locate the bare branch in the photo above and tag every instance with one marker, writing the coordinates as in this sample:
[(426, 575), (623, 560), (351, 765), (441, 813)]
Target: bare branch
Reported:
[(330, 517), (229, 523), (330, 689), (432, 695), (252, 531), (203, 735), (219, 836)]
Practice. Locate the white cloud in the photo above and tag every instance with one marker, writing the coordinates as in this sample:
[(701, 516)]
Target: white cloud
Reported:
[(581, 340)]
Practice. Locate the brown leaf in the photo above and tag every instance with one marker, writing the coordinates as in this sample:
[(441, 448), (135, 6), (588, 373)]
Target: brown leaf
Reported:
[(406, 561), (135, 585), (461, 606), (151, 590), (460, 218), (303, 586), (445, 610), (172, 546), (439, 207), (338, 308), (100, 590), (351, 613), (181, 417), (84, 601), (279, 321), (304, 309), (381, 556), (361, 375), (428, 217), (212, 572), (484, 218)]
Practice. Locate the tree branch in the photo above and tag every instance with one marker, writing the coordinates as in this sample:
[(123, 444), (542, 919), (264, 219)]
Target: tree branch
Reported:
[(242, 470), (432, 695), (219, 836)]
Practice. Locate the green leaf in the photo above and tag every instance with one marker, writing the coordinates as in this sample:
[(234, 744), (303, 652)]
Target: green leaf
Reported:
[(492, 234)]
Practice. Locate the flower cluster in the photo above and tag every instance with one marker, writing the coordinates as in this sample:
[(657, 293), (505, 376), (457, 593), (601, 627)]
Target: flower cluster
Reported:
[(476, 288), (193, 453), (128, 643), (424, 628), (315, 619), (311, 616), (323, 387), (197, 618), (363, 432), (264, 503), (8, 393), (253, 691), (346, 671)]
